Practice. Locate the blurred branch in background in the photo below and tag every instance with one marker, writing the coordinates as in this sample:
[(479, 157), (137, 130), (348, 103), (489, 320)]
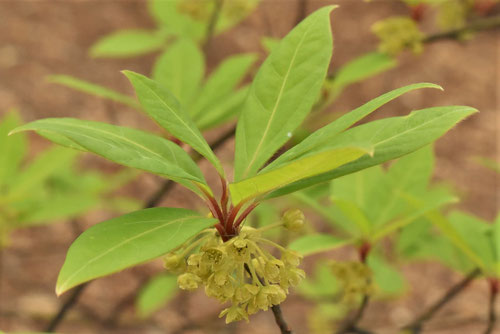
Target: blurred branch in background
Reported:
[(417, 325), (489, 23)]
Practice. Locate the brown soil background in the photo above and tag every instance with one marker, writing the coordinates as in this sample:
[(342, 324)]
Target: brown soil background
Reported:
[(38, 38)]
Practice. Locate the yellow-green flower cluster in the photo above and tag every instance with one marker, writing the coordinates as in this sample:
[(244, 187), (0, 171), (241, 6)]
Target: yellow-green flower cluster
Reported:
[(355, 278), (202, 10), (397, 34), (239, 271), (452, 14)]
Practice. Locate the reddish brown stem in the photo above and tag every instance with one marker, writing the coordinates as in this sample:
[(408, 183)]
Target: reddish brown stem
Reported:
[(232, 215), (213, 205), (244, 215), (364, 250), (224, 198)]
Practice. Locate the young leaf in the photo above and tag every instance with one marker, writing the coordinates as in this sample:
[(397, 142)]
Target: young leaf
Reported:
[(180, 69), (388, 279), (221, 84), (316, 243), (126, 241), (155, 294), (283, 92), (164, 108), (127, 43), (12, 150), (361, 68), (391, 138), (355, 215), (308, 166), (126, 146), (93, 89), (221, 112), (328, 133), (170, 19)]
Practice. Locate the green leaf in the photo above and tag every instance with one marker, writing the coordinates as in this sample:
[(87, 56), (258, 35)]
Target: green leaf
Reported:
[(223, 111), (386, 277), (155, 294), (328, 134), (294, 171), (496, 242), (164, 108), (46, 164), (180, 69), (317, 243), (127, 43), (221, 84), (359, 69), (390, 138), (322, 285), (93, 89), (126, 241), (283, 92), (355, 214), (12, 149), (169, 18), (129, 147)]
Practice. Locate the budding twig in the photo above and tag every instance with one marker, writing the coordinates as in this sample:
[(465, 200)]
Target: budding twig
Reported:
[(494, 287)]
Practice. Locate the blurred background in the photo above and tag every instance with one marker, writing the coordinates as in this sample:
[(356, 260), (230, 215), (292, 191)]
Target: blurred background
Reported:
[(42, 38)]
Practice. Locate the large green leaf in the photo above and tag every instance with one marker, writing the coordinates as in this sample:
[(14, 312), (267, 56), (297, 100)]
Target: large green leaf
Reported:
[(316, 243), (12, 149), (283, 92), (126, 241), (129, 147), (93, 89), (164, 108), (311, 165), (327, 134), (391, 138), (127, 43), (180, 69), (155, 294), (221, 84)]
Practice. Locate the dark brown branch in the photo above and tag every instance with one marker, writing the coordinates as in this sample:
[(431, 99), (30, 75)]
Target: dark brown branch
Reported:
[(494, 285), (151, 202), (352, 325), (416, 326), (301, 11), (276, 309), (474, 26)]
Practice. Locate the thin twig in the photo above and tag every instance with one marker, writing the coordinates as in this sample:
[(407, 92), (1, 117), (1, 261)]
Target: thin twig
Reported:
[(151, 202), (352, 325), (415, 327), (474, 26), (494, 285), (212, 23)]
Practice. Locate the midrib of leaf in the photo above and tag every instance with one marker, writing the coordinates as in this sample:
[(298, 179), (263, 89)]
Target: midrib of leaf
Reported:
[(62, 286), (278, 100), (175, 114)]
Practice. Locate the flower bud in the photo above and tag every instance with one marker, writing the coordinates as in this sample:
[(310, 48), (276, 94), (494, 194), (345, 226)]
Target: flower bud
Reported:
[(174, 263), (188, 281), (293, 219)]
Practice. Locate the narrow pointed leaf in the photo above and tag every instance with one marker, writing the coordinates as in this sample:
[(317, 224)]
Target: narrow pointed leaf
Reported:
[(93, 89), (222, 83), (328, 133), (317, 243), (180, 69), (126, 241), (296, 170), (127, 43), (390, 138), (126, 146), (283, 92), (164, 108)]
